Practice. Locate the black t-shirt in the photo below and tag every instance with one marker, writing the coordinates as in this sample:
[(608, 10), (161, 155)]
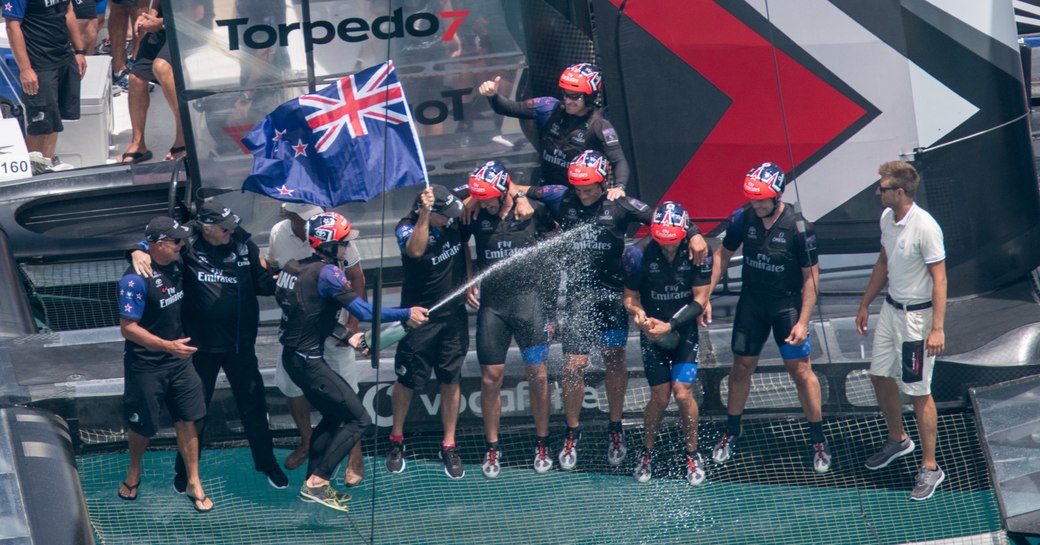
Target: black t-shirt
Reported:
[(441, 269), (773, 258), (498, 239), (221, 313), (595, 259), (562, 136), (46, 32), (664, 286), (155, 303)]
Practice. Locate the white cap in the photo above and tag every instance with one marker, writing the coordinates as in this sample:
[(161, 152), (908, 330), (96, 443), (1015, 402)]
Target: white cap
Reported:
[(302, 209)]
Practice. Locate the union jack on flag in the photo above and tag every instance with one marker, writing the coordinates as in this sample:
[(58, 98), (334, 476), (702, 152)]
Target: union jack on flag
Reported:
[(356, 98), (347, 142)]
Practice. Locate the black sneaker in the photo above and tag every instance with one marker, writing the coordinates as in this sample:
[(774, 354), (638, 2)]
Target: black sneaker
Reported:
[(325, 496), (395, 458), (453, 467), (276, 477)]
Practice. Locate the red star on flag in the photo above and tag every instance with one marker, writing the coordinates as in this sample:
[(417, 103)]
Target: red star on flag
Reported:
[(130, 283), (278, 135), (300, 148), (285, 190), (127, 308), (8, 6)]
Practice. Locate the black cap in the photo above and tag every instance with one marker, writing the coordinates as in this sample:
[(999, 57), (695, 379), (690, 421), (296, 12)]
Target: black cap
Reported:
[(164, 227), (213, 212), (445, 202)]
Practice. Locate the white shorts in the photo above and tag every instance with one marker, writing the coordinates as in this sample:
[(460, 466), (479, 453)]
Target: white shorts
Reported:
[(339, 358), (899, 349)]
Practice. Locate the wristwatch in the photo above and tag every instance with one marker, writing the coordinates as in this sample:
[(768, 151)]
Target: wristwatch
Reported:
[(81, 51), (519, 195)]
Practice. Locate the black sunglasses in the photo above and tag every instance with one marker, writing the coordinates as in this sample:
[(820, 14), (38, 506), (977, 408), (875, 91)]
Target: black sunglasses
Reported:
[(883, 188), (574, 96)]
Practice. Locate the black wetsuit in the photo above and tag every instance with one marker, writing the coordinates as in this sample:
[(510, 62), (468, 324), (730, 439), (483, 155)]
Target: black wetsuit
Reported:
[(562, 136), (441, 343), (771, 278), (511, 301), (151, 377), (310, 293), (665, 287), (593, 266)]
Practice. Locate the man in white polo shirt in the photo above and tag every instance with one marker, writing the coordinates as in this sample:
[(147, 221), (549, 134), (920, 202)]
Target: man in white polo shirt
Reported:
[(909, 332), (288, 241)]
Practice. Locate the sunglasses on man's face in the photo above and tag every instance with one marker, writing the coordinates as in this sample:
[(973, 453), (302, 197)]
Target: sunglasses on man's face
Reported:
[(574, 96), (882, 188)]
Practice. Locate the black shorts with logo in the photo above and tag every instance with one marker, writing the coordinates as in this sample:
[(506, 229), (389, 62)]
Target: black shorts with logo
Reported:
[(756, 315), (57, 99), (499, 320), (658, 361), (439, 345), (145, 392)]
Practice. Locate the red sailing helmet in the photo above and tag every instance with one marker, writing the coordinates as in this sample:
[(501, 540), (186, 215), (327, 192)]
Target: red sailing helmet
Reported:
[(670, 223), (328, 229), (581, 78), (765, 181), (591, 167), (488, 181)]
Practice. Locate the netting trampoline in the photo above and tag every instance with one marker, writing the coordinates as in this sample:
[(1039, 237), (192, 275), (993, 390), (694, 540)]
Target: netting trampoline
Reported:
[(766, 494)]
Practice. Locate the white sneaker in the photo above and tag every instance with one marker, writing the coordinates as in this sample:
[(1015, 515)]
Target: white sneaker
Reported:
[(695, 469), (491, 466), (542, 462), (616, 448), (644, 469), (821, 457), (723, 449), (569, 452)]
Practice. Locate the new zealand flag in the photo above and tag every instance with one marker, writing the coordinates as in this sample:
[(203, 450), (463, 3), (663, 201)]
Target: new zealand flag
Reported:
[(345, 143)]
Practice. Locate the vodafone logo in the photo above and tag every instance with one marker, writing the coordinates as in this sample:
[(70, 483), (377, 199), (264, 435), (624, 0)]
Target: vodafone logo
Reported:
[(351, 29)]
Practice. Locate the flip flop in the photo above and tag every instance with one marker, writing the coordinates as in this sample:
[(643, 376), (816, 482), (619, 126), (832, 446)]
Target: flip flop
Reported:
[(131, 489), (174, 151), (136, 157), (195, 503)]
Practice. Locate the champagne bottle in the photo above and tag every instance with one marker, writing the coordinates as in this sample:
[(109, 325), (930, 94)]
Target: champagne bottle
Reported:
[(388, 336)]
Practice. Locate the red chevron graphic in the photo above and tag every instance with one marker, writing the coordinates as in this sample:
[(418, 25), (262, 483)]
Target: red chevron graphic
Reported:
[(744, 66)]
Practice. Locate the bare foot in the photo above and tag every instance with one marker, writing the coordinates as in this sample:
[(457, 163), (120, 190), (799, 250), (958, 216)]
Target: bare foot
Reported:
[(297, 457)]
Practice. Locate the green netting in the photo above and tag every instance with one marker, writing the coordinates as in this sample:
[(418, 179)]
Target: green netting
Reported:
[(766, 494)]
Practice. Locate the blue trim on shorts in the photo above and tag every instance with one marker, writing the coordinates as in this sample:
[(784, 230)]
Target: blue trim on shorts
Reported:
[(101, 5), (535, 355), (789, 352), (614, 338), (685, 373)]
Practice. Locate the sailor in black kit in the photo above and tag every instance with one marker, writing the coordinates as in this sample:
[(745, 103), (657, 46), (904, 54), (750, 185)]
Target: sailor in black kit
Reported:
[(569, 126), (157, 359), (510, 305), (594, 292), (311, 292), (223, 277), (666, 293), (433, 262), (779, 280)]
